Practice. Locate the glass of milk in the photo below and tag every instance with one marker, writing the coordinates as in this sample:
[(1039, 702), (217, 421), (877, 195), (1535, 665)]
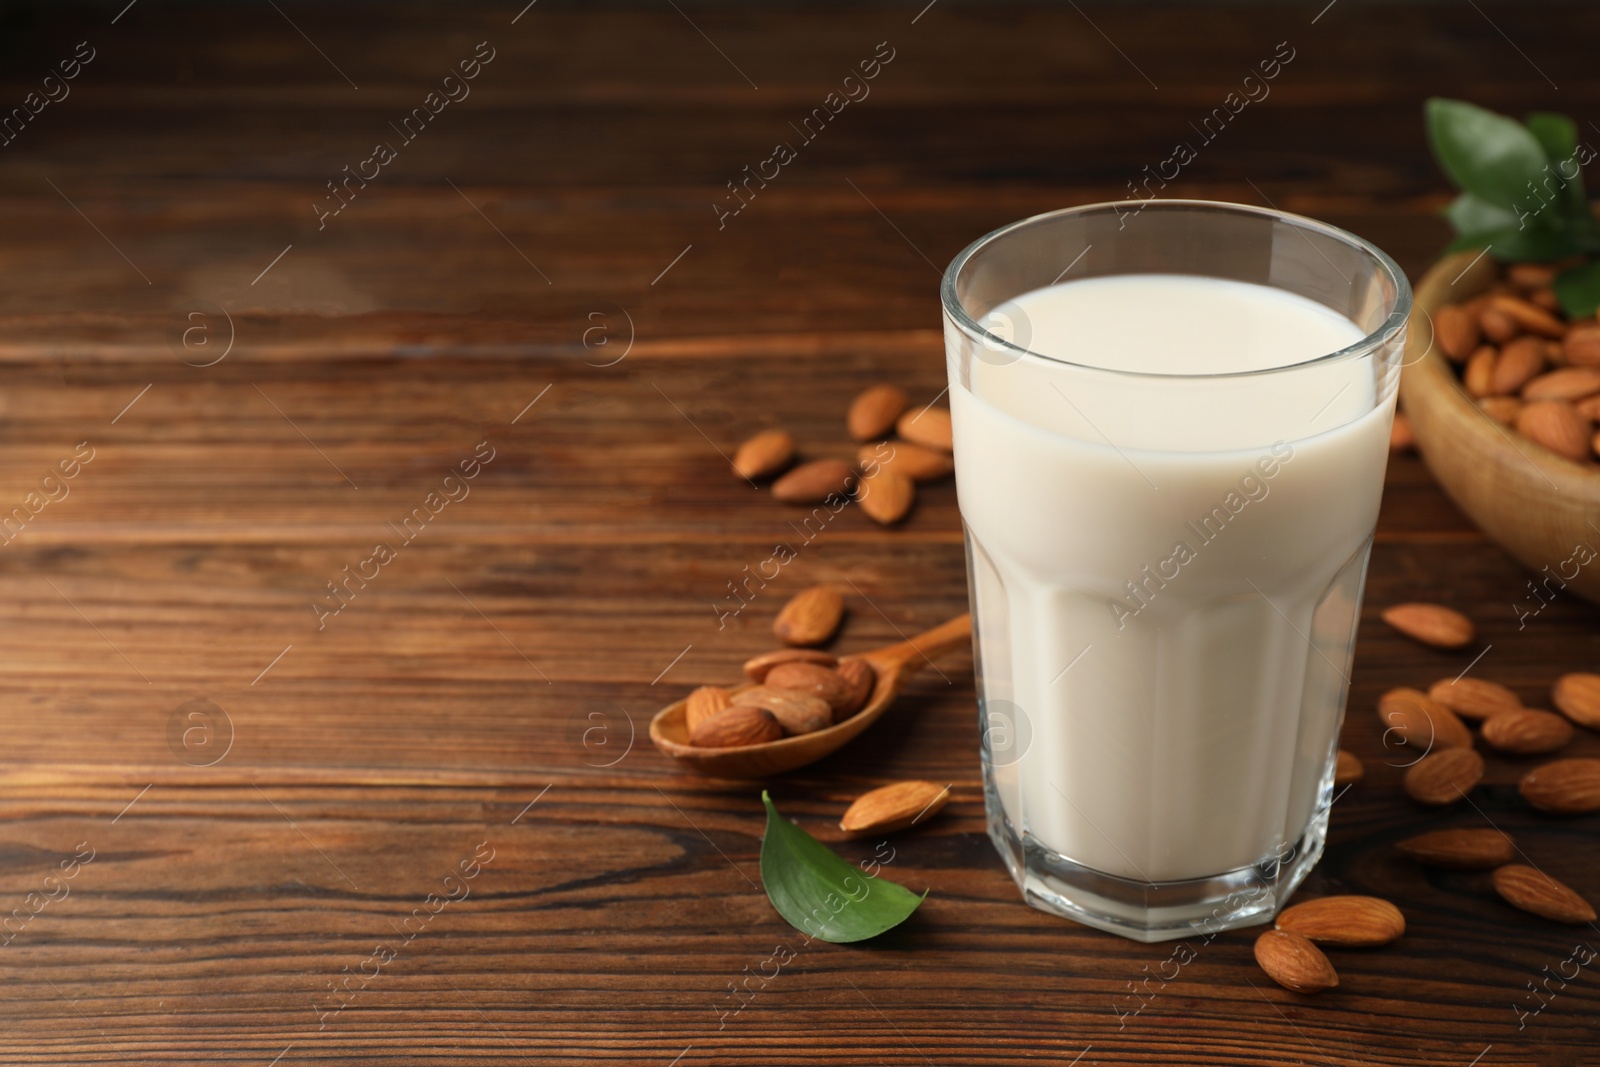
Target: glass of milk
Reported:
[(1171, 425)]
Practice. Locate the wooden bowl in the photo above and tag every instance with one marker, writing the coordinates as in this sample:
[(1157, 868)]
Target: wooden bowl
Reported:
[(1537, 505)]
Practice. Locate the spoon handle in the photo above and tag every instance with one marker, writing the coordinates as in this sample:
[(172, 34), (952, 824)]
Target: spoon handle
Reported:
[(908, 657)]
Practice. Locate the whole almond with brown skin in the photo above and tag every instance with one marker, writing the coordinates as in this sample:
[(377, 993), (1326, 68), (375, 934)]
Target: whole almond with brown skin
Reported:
[(894, 807), (1527, 732), (914, 461), (1432, 624), (1294, 962), (1474, 698), (1456, 331), (703, 703), (1421, 721), (1565, 787), (1347, 769), (1547, 299), (1401, 437), (1581, 346), (1557, 426), (763, 455), (811, 678), (1477, 378), (874, 410), (736, 726), (796, 712), (1534, 891), (756, 667), (1566, 383), (1443, 776), (886, 496), (1577, 696), (1497, 326), (814, 482), (1530, 317), (1460, 850), (1588, 407), (1349, 921), (1502, 409), (1520, 362), (859, 679), (810, 617), (927, 426)]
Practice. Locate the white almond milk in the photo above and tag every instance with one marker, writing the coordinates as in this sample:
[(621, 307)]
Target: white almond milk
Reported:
[(1166, 570)]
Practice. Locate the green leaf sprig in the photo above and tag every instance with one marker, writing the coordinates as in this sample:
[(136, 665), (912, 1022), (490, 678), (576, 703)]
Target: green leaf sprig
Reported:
[(1522, 191), (820, 894)]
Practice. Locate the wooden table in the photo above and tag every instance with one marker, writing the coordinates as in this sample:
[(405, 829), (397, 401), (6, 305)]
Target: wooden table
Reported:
[(270, 793)]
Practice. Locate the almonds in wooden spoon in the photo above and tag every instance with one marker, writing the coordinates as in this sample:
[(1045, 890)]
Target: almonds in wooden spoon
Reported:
[(1520, 362), (810, 617), (764, 455), (1565, 787), (859, 679), (1534, 891), (1443, 777), (756, 667), (1474, 698), (1527, 732), (796, 712), (1431, 624), (703, 703), (1577, 696), (1294, 962), (1470, 849), (1351, 921), (812, 678), (894, 807), (736, 726), (1456, 332), (1557, 426), (1565, 383), (874, 411)]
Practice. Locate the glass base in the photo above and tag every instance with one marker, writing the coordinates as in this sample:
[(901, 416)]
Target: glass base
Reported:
[(1154, 911)]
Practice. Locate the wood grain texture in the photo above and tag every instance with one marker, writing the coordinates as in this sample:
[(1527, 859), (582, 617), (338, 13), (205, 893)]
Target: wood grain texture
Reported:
[(507, 654)]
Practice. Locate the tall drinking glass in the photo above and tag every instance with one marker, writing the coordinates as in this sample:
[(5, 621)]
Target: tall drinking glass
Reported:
[(1171, 425)]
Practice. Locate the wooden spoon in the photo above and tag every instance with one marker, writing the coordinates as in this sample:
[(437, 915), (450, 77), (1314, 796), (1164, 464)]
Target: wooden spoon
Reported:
[(894, 666)]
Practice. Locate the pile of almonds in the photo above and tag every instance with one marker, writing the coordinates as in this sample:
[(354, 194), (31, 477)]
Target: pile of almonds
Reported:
[(890, 468), (1524, 363)]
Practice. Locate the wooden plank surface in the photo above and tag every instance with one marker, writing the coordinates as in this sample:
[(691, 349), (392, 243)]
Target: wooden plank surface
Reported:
[(488, 692)]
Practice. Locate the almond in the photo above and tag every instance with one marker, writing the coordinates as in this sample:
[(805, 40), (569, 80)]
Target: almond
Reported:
[(811, 678), (1347, 769), (1557, 426), (1474, 698), (927, 426), (1432, 624), (814, 482), (736, 726), (797, 713), (886, 496), (1547, 299), (859, 679), (1294, 962), (894, 807), (1588, 407), (1444, 776), (1577, 696), (1519, 363), (1527, 732), (914, 461), (757, 667), (1530, 275), (1567, 383), (1581, 346), (1421, 721), (810, 617), (1502, 409), (1460, 850), (874, 410), (1528, 316), (1456, 331), (1497, 326), (1565, 787), (764, 455), (1478, 375), (1350, 921), (703, 703), (1401, 436), (1532, 890)]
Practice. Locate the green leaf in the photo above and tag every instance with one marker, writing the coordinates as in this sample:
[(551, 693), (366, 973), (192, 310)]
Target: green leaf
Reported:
[(1556, 134), (1579, 290), (1472, 214), (1484, 153), (820, 894), (1521, 246)]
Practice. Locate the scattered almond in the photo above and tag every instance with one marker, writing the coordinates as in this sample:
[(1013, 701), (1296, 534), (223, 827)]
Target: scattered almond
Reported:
[(1557, 426), (796, 712), (927, 426), (1456, 331), (756, 668), (874, 411), (1431, 624), (859, 679), (1565, 787), (894, 807), (736, 726), (1421, 721), (814, 482), (914, 461), (1460, 850), (704, 703), (1478, 375), (811, 678), (1294, 962), (1401, 437), (1534, 891), (810, 617), (885, 496), (1347, 769), (1502, 409), (1564, 383), (1527, 732), (1577, 696), (1444, 776), (1350, 921), (764, 455), (1474, 698)]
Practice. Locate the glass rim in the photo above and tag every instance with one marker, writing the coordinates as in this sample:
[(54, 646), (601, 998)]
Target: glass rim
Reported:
[(1396, 320)]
